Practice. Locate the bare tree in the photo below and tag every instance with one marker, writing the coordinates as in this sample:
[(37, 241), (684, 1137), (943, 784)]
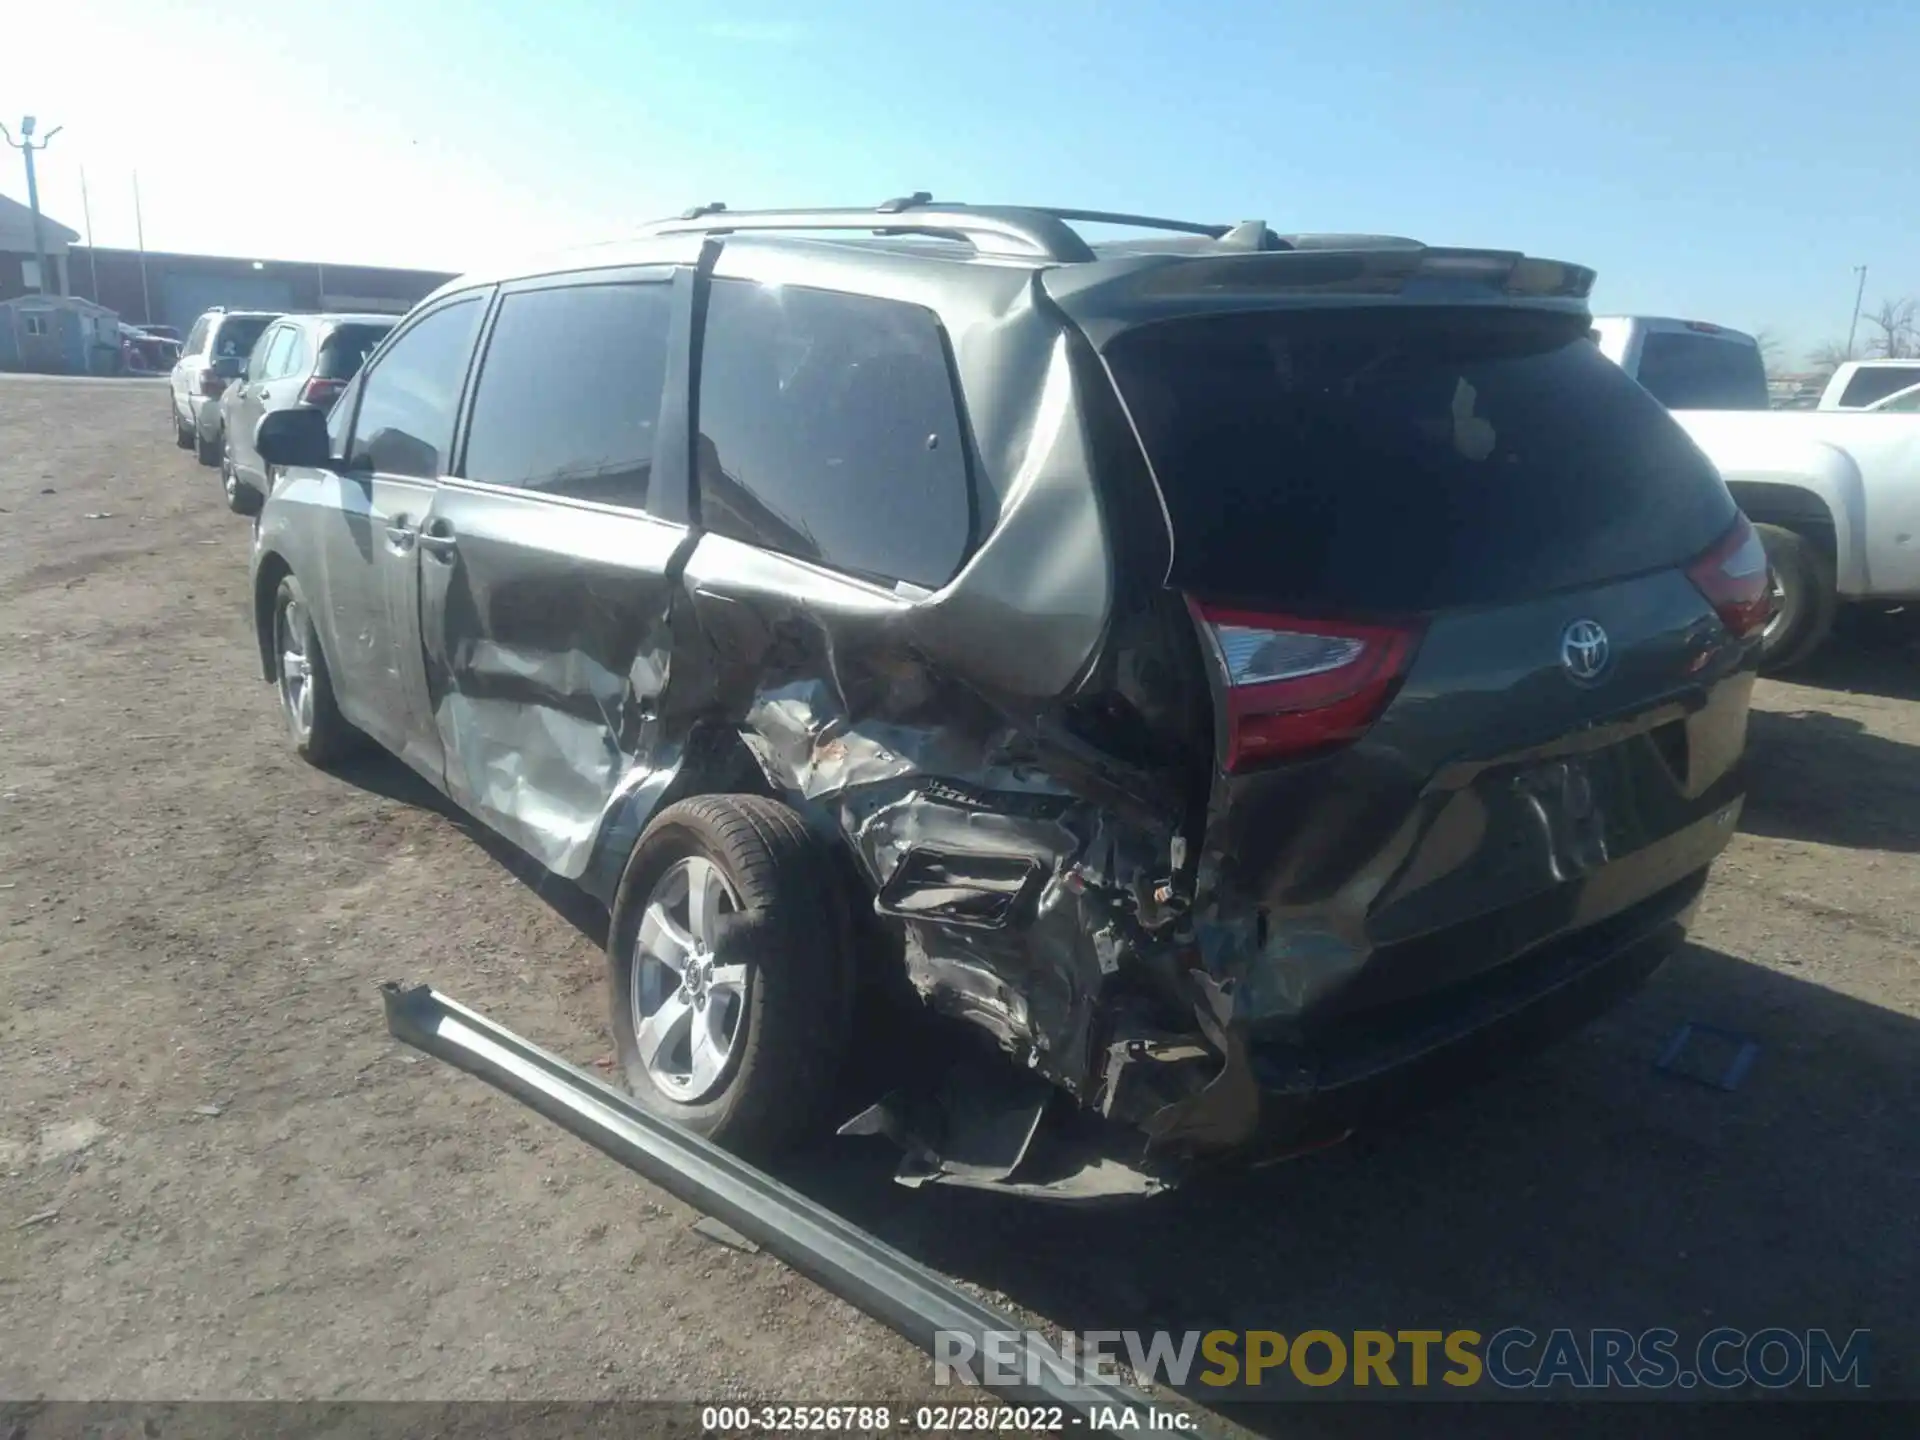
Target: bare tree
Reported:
[(1898, 325), (1827, 358), (1767, 341)]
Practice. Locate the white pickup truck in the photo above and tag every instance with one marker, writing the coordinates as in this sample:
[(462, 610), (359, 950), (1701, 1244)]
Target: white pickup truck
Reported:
[(1868, 384), (1835, 494)]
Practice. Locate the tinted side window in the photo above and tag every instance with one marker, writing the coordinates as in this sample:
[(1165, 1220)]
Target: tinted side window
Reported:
[(828, 430), (197, 337), (1881, 381), (569, 392), (405, 425)]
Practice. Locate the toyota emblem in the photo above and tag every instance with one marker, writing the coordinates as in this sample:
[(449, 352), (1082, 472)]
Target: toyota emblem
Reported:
[(1584, 650)]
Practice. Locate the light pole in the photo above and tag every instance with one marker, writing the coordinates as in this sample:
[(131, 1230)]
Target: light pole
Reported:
[(27, 148)]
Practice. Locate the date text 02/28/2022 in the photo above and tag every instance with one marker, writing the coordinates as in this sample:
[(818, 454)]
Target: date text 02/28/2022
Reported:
[(926, 1420)]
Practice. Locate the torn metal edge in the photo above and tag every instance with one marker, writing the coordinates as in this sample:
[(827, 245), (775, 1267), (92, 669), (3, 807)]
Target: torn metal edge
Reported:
[(901, 1293)]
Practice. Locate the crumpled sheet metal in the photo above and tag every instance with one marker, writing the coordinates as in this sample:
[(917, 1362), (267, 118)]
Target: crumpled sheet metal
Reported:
[(894, 788), (551, 773)]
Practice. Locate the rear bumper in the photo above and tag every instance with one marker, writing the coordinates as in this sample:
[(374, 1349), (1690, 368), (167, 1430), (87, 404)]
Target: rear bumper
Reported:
[(1376, 1063)]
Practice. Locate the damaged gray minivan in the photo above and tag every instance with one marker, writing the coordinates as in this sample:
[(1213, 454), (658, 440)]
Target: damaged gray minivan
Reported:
[(1239, 674)]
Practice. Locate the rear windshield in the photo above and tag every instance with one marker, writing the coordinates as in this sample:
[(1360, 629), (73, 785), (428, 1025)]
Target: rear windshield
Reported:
[(1399, 460), (345, 350), (1702, 372), (235, 337)]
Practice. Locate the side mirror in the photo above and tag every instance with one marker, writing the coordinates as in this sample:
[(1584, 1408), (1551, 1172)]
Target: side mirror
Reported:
[(293, 438)]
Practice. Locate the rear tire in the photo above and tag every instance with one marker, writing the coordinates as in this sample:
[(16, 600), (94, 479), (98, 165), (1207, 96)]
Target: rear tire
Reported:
[(320, 733), (241, 499), (1806, 599), (182, 431), (209, 447), (770, 1064)]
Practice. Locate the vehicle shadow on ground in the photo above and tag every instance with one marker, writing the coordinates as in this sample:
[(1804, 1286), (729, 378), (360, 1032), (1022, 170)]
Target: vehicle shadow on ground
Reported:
[(1583, 1188), (1826, 778), (1870, 653), (379, 773)]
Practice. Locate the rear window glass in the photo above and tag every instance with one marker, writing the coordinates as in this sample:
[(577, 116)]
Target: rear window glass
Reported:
[(1396, 460), (346, 350), (1878, 382), (236, 335), (1702, 372)]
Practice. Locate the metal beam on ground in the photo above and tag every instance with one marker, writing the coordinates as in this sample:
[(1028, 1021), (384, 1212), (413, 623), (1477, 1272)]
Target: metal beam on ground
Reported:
[(900, 1292)]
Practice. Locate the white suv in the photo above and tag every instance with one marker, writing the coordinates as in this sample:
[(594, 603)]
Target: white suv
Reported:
[(214, 351)]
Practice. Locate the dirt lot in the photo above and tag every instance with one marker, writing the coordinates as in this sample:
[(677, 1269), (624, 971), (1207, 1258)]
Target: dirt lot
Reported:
[(219, 1177)]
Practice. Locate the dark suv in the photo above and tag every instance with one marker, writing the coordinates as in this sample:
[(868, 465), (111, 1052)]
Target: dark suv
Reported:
[(1235, 672), (298, 360)]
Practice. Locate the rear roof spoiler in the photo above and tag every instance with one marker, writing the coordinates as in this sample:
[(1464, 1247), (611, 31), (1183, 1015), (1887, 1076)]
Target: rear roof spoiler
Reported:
[(1314, 270)]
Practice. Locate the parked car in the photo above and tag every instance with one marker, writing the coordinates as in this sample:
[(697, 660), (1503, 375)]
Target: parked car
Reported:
[(1860, 384), (144, 352), (1834, 496), (210, 359), (1233, 682), (165, 332), (298, 360)]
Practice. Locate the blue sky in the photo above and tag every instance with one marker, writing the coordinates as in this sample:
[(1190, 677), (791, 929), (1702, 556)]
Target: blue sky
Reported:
[(1723, 161)]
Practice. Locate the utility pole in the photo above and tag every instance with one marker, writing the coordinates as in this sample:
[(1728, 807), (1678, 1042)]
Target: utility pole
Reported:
[(93, 268), (1859, 294), (140, 239), (27, 148)]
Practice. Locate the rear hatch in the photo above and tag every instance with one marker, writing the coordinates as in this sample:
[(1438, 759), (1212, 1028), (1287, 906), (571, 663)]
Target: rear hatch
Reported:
[(1478, 616)]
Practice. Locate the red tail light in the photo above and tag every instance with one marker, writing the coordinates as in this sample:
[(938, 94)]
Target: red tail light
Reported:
[(1733, 576), (211, 384), (1296, 685), (322, 392)]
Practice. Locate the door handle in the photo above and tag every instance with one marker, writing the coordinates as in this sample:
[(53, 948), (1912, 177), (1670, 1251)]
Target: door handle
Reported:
[(261, 394), (436, 537), (401, 535)]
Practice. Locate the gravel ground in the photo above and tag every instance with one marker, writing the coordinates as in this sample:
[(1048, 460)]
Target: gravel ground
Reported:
[(220, 1179)]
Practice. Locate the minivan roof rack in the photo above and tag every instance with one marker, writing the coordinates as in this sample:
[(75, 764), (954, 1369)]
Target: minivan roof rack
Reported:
[(1037, 231)]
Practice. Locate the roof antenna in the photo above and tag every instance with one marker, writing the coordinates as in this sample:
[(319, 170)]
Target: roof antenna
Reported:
[(906, 202), (712, 207)]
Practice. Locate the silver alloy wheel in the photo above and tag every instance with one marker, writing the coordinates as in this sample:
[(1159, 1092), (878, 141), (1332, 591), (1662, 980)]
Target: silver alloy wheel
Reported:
[(688, 1009), (1776, 605), (296, 668), (229, 481)]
